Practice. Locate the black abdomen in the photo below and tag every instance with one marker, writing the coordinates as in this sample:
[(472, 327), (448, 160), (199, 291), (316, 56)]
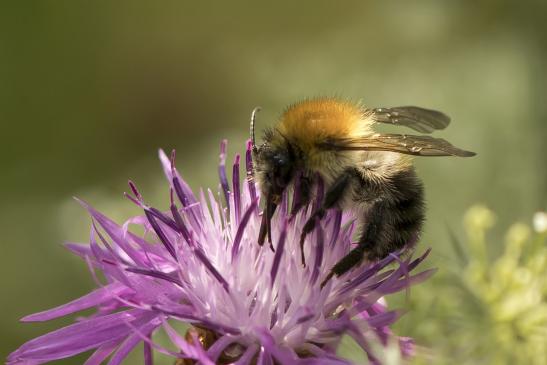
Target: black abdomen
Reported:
[(395, 217)]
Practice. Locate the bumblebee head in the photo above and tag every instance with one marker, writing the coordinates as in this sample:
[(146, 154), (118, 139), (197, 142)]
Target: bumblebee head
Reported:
[(275, 162), (275, 168)]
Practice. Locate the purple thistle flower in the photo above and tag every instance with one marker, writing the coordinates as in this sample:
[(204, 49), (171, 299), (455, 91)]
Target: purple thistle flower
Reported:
[(199, 263)]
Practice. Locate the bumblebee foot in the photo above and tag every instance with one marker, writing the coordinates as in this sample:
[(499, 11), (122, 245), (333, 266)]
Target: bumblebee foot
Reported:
[(352, 259), (326, 280), (302, 239)]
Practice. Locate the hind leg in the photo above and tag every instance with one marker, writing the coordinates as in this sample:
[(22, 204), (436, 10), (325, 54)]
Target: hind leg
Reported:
[(371, 233), (390, 224)]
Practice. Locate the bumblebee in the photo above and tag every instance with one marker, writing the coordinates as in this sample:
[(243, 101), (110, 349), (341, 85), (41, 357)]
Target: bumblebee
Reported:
[(369, 172)]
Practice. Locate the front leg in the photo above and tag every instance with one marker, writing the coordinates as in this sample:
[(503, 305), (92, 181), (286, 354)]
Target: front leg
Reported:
[(334, 194), (302, 192)]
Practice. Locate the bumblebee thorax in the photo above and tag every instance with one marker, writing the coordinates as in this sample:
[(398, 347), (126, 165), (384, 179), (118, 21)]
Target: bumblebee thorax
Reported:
[(311, 122)]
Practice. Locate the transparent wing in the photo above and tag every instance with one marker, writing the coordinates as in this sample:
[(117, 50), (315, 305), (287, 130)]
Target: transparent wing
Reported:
[(401, 143), (419, 119)]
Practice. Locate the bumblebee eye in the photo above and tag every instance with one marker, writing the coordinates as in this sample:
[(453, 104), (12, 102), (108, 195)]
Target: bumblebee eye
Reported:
[(282, 171)]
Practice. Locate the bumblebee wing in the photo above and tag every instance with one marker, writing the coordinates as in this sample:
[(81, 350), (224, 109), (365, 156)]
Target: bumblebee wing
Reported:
[(419, 119), (401, 143)]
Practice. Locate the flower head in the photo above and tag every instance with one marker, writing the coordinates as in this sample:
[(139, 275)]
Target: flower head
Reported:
[(199, 263)]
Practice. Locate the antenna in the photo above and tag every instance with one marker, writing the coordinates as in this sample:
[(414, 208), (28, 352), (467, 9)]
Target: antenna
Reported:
[(253, 118)]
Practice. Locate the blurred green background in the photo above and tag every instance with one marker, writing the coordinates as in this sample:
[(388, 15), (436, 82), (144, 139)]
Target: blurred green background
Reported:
[(90, 90)]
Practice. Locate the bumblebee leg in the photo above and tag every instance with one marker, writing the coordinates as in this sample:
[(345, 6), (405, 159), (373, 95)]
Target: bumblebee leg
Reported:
[(333, 196), (302, 193), (265, 229), (353, 258), (390, 224), (367, 240), (395, 223), (308, 227)]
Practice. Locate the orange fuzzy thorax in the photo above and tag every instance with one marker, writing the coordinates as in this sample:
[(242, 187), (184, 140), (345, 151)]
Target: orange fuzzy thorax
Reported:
[(310, 122)]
